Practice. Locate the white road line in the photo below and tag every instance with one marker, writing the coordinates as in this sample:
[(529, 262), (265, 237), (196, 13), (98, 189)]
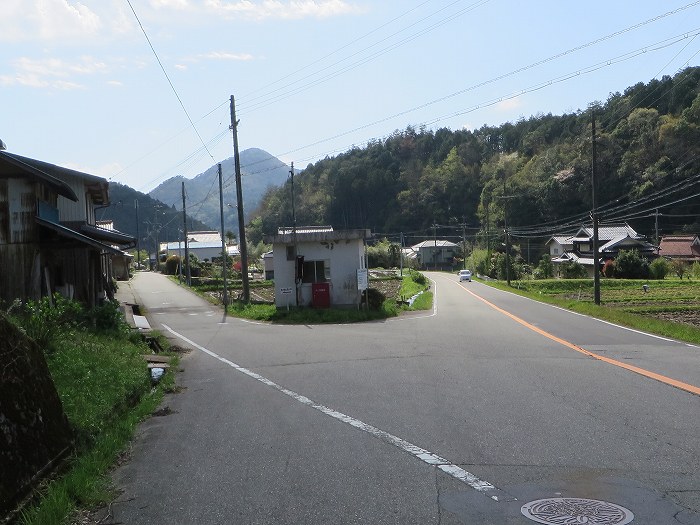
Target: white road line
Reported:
[(445, 466)]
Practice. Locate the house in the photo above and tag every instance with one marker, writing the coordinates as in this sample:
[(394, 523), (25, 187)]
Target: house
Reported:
[(49, 239), (680, 247), (435, 254), (205, 245), (317, 266), (612, 238), (121, 262)]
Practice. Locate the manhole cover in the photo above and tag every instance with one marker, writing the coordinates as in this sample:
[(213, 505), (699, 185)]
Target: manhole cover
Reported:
[(574, 511)]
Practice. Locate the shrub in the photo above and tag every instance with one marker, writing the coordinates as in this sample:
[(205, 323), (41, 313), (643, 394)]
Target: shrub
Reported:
[(374, 298), (418, 278), (573, 270), (630, 265), (695, 270), (544, 269), (659, 268), (172, 265), (609, 269), (679, 268)]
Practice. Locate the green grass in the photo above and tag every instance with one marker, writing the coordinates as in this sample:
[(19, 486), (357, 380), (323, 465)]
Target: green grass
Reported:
[(105, 389), (623, 301)]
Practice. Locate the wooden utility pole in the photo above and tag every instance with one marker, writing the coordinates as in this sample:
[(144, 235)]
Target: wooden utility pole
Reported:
[(594, 215), (224, 253), (138, 237), (188, 274), (297, 282), (505, 229), (239, 199)]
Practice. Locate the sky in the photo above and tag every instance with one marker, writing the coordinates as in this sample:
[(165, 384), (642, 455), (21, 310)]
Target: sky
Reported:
[(138, 91)]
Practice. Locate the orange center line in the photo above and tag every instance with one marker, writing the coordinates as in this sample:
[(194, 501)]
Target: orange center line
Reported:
[(641, 371)]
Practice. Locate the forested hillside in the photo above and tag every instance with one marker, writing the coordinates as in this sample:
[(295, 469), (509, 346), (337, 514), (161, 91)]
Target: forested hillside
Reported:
[(156, 221), (647, 150)]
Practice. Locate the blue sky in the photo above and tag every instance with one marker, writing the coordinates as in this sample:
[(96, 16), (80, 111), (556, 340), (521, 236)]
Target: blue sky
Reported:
[(81, 87)]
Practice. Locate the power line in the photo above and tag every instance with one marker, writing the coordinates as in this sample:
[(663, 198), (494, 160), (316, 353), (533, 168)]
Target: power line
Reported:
[(168, 78)]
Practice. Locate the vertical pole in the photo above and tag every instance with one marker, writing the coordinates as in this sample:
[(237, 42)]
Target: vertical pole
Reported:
[(656, 230), (224, 255), (294, 240), (594, 213), (505, 229), (401, 255), (188, 273), (138, 238), (239, 200), (464, 245)]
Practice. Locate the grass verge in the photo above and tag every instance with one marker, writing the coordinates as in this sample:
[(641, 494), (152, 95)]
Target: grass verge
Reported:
[(620, 302), (105, 389)]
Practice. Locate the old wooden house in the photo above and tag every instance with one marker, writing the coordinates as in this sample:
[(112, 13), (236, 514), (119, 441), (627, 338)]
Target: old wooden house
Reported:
[(49, 240)]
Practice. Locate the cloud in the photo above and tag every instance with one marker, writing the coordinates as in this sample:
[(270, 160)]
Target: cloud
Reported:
[(509, 104), (291, 9), (217, 55), (52, 72), (47, 20), (170, 4)]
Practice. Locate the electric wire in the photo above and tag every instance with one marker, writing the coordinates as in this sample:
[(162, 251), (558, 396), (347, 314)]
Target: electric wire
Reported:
[(172, 86)]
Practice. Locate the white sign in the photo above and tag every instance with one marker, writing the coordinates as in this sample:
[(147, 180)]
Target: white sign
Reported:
[(285, 291), (362, 281)]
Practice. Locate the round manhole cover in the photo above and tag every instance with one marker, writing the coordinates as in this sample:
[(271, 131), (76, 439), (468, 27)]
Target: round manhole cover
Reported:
[(575, 511)]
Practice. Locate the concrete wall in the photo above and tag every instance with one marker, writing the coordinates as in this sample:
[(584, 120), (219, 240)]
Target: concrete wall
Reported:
[(34, 431)]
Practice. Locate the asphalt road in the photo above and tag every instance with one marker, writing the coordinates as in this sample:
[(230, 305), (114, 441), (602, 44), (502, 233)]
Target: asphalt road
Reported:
[(463, 415)]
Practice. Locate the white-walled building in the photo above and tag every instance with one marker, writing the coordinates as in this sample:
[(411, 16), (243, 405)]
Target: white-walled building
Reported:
[(317, 266)]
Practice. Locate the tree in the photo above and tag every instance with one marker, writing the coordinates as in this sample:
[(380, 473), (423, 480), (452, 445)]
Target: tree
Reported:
[(230, 237), (630, 265), (679, 267), (545, 268)]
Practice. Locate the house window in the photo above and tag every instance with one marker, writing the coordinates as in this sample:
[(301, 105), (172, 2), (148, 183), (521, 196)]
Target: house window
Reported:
[(556, 251), (315, 272), (291, 252)]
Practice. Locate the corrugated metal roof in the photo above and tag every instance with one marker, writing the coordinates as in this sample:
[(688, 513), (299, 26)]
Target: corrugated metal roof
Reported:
[(440, 243)]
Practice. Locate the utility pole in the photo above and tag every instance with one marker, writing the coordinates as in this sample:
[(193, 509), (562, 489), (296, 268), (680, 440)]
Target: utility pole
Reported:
[(294, 240), (656, 230), (594, 214), (239, 200), (464, 244), (224, 254), (505, 229), (188, 273), (138, 238), (401, 254)]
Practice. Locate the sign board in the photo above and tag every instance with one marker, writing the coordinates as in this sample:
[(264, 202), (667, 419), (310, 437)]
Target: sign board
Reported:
[(362, 281), (285, 291)]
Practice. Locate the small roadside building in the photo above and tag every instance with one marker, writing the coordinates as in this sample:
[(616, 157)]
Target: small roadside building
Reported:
[(317, 266)]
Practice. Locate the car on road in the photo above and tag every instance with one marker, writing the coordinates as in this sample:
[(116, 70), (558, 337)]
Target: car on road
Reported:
[(465, 275)]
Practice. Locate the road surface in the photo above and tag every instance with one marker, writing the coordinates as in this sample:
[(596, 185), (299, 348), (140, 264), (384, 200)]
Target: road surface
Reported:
[(468, 414)]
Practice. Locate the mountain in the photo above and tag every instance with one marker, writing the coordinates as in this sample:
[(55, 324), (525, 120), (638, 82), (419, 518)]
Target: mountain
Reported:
[(259, 171), (156, 220), (533, 175)]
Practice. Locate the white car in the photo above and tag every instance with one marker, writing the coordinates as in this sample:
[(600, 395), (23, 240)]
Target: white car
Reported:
[(465, 275)]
